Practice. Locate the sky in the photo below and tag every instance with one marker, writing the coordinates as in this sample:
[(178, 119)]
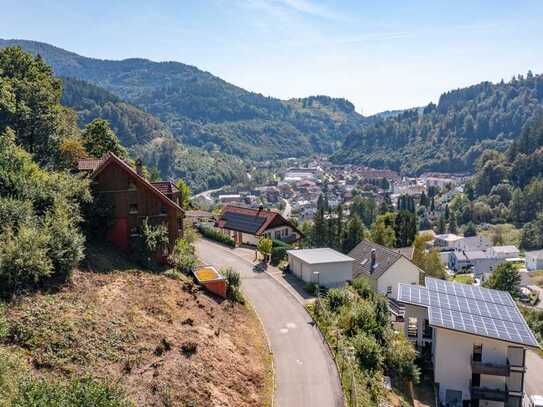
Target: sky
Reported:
[(380, 55)]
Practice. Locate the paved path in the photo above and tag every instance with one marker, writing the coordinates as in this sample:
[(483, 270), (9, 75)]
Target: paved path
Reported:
[(305, 374)]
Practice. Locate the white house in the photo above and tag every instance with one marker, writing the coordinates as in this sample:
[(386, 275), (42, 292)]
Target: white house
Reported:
[(475, 337), (385, 268), (534, 260), (334, 269)]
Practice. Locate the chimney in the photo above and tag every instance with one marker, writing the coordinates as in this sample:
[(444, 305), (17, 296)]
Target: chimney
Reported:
[(372, 262), (139, 167)]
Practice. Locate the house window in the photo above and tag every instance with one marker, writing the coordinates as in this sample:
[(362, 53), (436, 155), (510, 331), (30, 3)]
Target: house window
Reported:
[(133, 209), (278, 234), (285, 232), (131, 185), (134, 232), (477, 352), (163, 210), (389, 290)]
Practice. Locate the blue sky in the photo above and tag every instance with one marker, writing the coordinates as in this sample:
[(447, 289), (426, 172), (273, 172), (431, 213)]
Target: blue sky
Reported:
[(378, 54)]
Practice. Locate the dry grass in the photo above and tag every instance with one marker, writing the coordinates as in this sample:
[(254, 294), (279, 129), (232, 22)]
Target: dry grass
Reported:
[(536, 278), (133, 328)]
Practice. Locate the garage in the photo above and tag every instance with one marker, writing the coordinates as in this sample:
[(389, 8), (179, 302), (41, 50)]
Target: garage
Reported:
[(331, 268)]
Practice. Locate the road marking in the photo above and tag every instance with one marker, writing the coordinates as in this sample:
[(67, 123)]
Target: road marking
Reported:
[(291, 325), (284, 330)]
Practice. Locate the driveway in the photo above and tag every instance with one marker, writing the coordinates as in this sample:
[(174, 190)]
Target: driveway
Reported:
[(305, 374)]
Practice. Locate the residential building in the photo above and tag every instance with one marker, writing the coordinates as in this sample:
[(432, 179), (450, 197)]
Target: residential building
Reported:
[(505, 252), (480, 262), (475, 338), (534, 260), (132, 199), (385, 268), (248, 225), (325, 266)]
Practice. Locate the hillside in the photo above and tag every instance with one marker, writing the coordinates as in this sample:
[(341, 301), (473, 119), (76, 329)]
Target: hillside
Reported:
[(130, 327), (148, 138), (451, 135), (202, 110)]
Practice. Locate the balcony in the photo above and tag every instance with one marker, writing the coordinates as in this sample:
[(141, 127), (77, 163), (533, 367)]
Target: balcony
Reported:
[(493, 369), (490, 394)]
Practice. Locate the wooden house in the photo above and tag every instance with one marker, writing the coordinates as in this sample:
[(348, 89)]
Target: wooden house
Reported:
[(132, 199)]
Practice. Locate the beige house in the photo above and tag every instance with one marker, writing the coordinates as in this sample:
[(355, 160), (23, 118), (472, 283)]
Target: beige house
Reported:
[(385, 268)]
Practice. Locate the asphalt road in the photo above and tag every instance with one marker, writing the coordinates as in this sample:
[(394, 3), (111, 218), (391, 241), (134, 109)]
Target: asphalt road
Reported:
[(305, 374)]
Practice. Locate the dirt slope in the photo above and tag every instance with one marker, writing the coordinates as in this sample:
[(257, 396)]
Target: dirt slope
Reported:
[(138, 329)]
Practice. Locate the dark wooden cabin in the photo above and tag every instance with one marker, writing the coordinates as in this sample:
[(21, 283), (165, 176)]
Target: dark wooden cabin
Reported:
[(134, 199)]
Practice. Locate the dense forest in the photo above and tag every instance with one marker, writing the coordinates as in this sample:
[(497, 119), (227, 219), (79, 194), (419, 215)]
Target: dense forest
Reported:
[(508, 187), (146, 137), (451, 135), (204, 111)]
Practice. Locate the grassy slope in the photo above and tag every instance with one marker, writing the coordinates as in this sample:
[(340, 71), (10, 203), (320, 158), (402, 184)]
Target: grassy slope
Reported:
[(129, 326)]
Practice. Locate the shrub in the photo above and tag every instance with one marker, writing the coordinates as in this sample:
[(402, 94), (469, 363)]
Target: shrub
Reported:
[(400, 358), (363, 287), (337, 298), (368, 352), (233, 279), (360, 318), (24, 260), (264, 247), (183, 257), (279, 243), (155, 239), (189, 348), (278, 254), (218, 236)]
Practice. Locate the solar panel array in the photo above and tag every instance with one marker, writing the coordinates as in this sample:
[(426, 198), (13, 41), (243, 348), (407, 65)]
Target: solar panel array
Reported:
[(243, 223), (465, 308)]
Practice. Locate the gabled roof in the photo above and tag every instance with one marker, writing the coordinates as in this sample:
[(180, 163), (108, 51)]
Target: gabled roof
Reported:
[(470, 309), (384, 259), (112, 159), (166, 187), (406, 252), (251, 221), (89, 164)]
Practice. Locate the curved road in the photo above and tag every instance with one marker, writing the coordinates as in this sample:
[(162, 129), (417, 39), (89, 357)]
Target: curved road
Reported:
[(305, 374)]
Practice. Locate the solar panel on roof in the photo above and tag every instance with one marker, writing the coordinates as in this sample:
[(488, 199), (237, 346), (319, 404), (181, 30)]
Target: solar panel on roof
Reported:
[(489, 313), (243, 223)]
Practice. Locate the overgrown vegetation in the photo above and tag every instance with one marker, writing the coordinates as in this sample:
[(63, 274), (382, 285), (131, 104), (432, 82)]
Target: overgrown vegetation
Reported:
[(355, 321), (505, 278)]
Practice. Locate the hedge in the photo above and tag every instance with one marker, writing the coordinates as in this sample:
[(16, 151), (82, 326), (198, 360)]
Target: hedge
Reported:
[(279, 253), (214, 234)]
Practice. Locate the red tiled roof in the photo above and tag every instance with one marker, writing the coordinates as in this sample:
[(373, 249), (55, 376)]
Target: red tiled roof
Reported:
[(166, 187), (89, 164), (263, 218)]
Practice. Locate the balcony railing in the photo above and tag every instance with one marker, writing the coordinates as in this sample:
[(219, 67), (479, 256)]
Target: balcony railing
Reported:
[(494, 369), (490, 394)]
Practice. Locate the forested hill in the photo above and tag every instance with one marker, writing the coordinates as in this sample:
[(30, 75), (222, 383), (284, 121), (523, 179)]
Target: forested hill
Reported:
[(202, 110), (132, 125), (451, 135)]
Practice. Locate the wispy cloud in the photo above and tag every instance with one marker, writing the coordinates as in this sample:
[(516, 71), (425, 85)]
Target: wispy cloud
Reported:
[(308, 7)]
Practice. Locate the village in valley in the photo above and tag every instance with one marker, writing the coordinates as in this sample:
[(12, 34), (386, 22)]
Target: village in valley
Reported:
[(271, 203)]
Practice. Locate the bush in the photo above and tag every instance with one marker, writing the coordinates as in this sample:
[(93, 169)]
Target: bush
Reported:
[(279, 243), (337, 298), (360, 318), (278, 254), (233, 279), (368, 352), (155, 239), (264, 247), (24, 260), (363, 287), (218, 236), (400, 359), (183, 257)]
